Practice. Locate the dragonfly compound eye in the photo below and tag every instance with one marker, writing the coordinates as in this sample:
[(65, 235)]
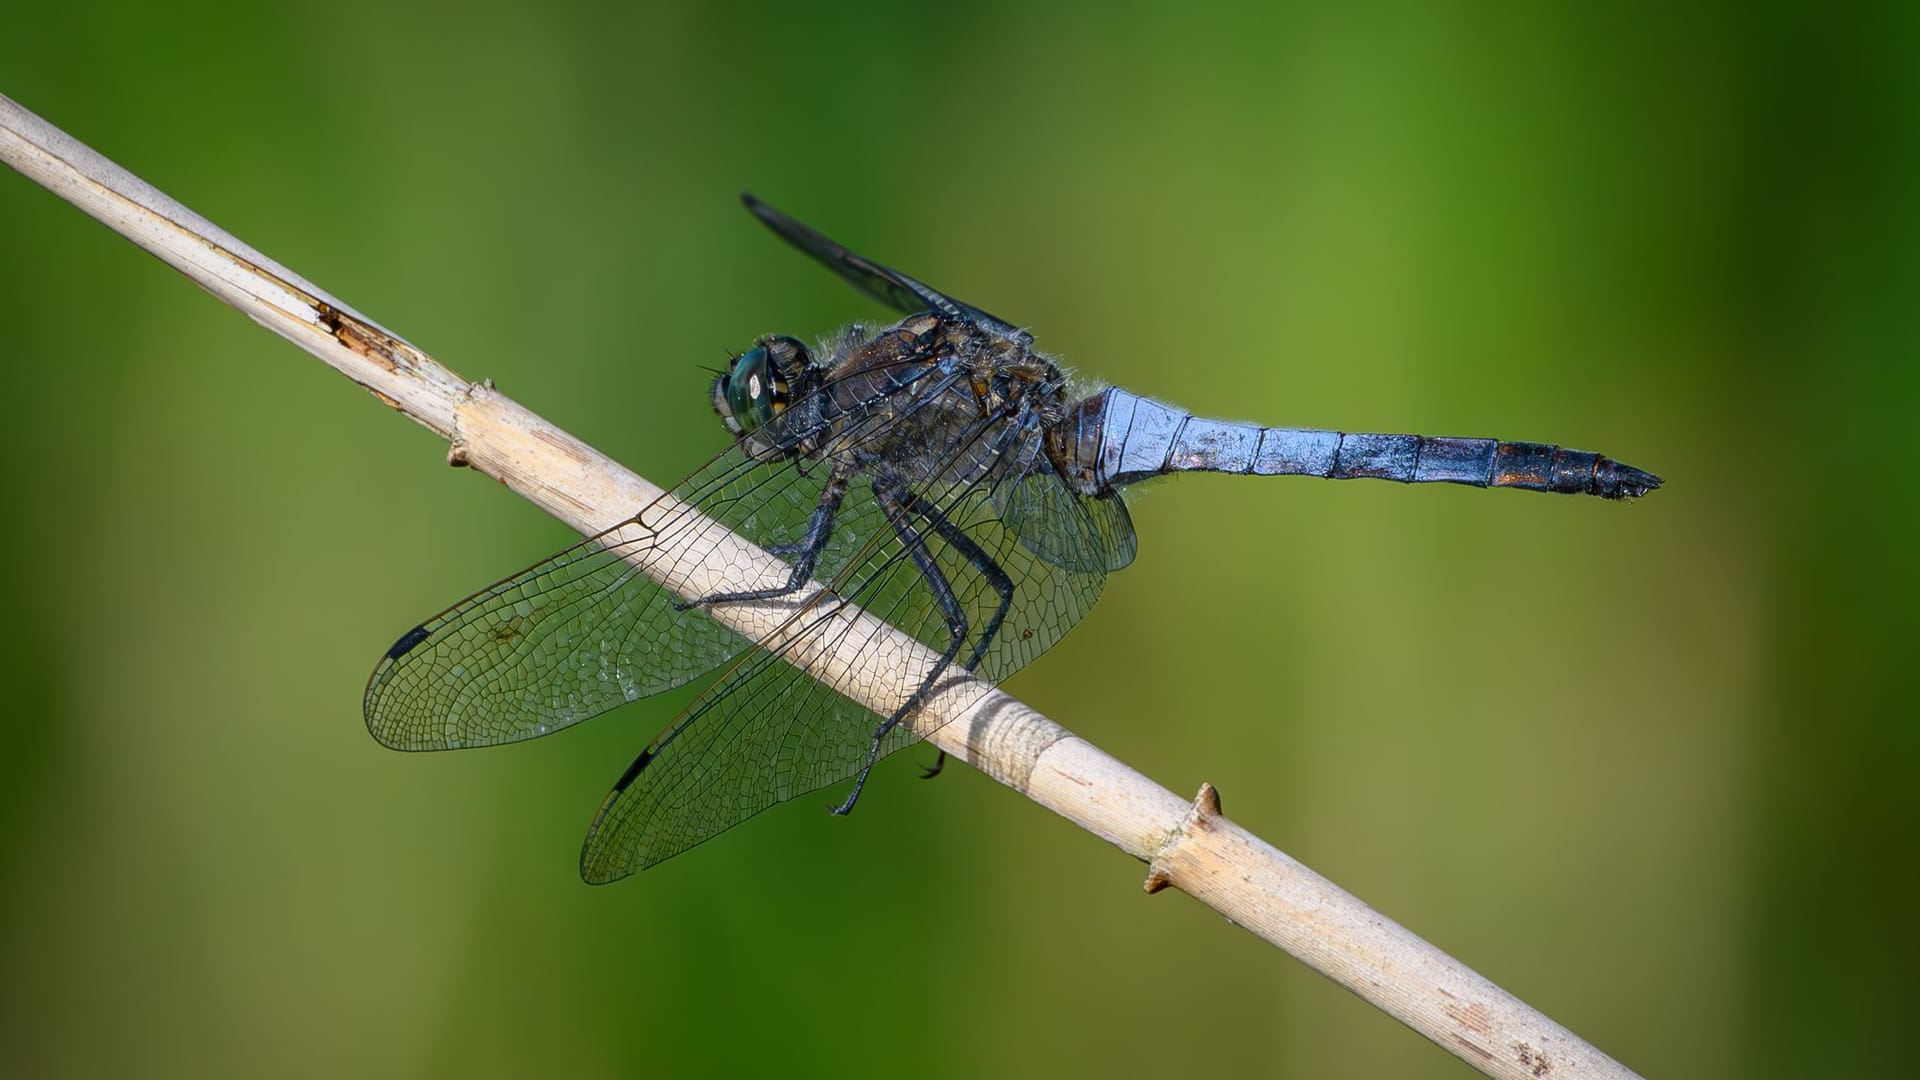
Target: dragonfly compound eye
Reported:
[(754, 391)]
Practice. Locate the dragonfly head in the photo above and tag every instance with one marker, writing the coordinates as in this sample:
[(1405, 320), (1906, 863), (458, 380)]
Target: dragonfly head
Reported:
[(758, 385)]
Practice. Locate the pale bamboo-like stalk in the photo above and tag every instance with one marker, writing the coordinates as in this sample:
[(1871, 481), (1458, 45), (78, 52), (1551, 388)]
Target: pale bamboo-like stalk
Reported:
[(1188, 845)]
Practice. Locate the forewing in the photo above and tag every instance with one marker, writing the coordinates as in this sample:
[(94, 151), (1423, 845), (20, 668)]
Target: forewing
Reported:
[(766, 732), (889, 286), (586, 631)]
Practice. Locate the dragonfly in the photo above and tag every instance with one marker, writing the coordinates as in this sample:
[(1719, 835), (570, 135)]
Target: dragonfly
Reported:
[(940, 473)]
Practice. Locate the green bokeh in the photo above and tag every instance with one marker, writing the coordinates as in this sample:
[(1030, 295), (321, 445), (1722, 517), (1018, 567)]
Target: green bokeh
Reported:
[(1648, 767)]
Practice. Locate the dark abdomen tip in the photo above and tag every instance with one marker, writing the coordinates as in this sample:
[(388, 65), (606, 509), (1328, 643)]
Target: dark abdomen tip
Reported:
[(1612, 480)]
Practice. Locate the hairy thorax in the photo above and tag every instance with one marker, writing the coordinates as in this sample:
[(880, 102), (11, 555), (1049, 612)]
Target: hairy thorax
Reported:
[(980, 403)]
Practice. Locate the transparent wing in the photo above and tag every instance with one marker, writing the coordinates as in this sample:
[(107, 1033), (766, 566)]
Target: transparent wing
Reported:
[(765, 732), (585, 631), (1074, 532), (889, 286)]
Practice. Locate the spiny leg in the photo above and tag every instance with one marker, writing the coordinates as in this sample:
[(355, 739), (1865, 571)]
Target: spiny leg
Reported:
[(958, 539), (889, 498), (806, 553)]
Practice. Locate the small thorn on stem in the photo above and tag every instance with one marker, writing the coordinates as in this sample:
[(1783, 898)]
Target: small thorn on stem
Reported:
[(1206, 807)]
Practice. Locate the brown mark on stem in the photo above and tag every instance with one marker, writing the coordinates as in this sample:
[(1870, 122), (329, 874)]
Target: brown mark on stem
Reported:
[(361, 339), (1469, 1044), (564, 446), (1534, 1061), (1474, 1017)]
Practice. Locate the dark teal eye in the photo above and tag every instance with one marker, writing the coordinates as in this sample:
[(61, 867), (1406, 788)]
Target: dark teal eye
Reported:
[(755, 391)]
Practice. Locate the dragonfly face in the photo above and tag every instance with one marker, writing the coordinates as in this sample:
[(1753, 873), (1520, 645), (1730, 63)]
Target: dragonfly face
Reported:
[(937, 474)]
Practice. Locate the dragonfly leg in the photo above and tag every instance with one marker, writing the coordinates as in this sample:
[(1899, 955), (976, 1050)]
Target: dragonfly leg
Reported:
[(981, 561), (805, 554), (894, 507), (989, 569)]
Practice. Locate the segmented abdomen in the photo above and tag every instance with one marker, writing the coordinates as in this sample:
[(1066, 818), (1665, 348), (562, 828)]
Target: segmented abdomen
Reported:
[(1118, 438)]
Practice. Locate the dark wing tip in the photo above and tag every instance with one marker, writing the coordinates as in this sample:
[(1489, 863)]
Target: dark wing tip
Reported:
[(379, 724), (599, 865), (408, 642)]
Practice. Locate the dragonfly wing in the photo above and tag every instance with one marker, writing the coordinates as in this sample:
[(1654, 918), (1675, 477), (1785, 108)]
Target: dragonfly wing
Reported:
[(1071, 531), (585, 631), (889, 286), (766, 732)]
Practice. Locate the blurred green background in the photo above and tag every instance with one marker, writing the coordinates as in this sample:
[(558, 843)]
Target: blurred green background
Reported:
[(1648, 767)]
